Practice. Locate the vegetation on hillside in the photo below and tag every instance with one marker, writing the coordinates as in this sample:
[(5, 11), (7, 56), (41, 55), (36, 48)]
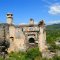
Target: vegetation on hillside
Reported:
[(53, 33)]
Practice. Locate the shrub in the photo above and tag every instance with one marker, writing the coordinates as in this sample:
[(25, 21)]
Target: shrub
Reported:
[(32, 53)]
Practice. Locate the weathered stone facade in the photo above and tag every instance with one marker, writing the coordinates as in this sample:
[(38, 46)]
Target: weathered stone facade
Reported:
[(22, 37), (4, 31)]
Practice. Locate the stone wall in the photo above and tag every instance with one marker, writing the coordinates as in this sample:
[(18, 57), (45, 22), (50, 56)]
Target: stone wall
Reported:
[(4, 31), (19, 36)]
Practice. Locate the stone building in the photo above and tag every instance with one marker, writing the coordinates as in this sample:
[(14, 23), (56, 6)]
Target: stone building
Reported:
[(23, 37)]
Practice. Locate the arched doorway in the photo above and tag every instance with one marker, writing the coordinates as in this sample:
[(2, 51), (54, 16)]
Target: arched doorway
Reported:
[(31, 40)]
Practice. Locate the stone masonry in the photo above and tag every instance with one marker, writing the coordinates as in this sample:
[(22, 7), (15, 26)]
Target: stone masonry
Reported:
[(22, 37)]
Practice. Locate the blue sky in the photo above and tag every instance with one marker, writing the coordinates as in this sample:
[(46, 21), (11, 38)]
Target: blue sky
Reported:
[(23, 10)]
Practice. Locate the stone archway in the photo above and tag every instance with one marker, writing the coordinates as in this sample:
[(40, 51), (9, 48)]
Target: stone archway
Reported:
[(31, 40)]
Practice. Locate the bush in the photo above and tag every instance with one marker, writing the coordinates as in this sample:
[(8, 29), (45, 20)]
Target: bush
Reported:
[(32, 53), (56, 58), (17, 56)]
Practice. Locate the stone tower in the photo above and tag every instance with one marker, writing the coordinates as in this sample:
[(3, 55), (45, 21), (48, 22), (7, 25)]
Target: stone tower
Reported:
[(9, 18), (42, 37), (31, 22)]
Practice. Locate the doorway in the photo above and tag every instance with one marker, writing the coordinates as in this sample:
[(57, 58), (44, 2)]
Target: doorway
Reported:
[(31, 40)]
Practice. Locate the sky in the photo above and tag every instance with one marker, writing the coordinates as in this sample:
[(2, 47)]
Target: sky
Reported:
[(23, 10)]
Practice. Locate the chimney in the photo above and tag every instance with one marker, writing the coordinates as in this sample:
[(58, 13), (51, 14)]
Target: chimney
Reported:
[(9, 18), (31, 22)]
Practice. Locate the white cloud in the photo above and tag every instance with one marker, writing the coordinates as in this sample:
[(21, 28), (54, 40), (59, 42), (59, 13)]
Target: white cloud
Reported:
[(35, 22), (22, 23), (54, 9)]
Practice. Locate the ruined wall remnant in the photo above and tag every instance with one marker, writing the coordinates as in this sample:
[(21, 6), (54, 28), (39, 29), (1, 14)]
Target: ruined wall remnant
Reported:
[(22, 37)]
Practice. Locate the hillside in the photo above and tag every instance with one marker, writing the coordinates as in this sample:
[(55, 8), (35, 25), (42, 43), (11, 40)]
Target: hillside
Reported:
[(53, 26), (53, 32)]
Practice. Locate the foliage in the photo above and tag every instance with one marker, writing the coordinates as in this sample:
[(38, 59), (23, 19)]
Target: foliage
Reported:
[(53, 33), (56, 58), (32, 53), (17, 56), (29, 55)]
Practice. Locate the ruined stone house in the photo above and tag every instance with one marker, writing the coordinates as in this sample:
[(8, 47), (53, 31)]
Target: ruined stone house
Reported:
[(23, 37)]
